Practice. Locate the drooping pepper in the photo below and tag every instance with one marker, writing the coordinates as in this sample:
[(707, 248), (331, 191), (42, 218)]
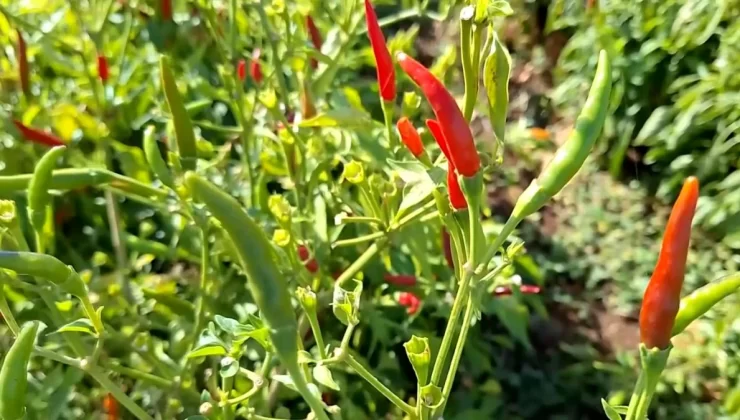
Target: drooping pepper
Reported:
[(102, 68), (383, 61), (315, 35), (23, 71), (305, 256), (410, 301), (269, 289), (14, 375), (701, 300), (38, 136), (165, 10), (457, 198), (38, 188), (241, 70), (410, 136), (526, 289), (185, 136), (255, 70), (455, 128), (662, 297)]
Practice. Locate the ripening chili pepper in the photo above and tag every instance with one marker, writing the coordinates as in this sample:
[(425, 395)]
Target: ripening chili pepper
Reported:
[(38, 136), (23, 71), (102, 68), (383, 61), (410, 136), (404, 280), (539, 134), (457, 198), (526, 289), (663, 294), (241, 70), (570, 156), (155, 159), (701, 300), (455, 128), (110, 406), (38, 188), (268, 287), (305, 256), (315, 35), (410, 301), (14, 375), (255, 70), (165, 9)]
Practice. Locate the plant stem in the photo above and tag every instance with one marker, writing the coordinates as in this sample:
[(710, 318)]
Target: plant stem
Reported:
[(471, 82), (358, 240), (507, 230), (119, 246), (5, 310), (363, 259), (457, 354), (637, 395), (118, 393), (372, 380)]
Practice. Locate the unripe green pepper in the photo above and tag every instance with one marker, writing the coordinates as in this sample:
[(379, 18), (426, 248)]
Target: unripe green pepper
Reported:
[(184, 133), (703, 299), (570, 157), (46, 267), (38, 188), (14, 375), (268, 287), (156, 162)]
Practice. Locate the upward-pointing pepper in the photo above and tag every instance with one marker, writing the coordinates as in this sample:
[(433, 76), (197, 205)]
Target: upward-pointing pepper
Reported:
[(663, 294), (383, 60), (455, 128)]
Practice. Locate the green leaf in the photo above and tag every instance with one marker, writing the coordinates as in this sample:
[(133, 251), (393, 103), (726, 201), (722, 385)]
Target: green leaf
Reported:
[(229, 367), (515, 317), (227, 325), (499, 8), (82, 325), (322, 374), (410, 172), (610, 412), (208, 345), (344, 117)]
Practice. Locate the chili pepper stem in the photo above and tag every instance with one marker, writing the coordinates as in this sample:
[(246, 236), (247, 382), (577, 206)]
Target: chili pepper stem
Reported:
[(473, 187), (372, 380), (363, 259), (653, 361), (388, 111), (507, 230), (92, 314), (457, 353)]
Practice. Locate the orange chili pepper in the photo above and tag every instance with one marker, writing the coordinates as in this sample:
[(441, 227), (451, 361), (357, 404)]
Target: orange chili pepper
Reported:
[(662, 297)]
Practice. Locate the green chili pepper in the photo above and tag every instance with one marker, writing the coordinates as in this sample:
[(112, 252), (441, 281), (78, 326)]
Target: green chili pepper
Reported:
[(46, 267), (496, 71), (14, 374), (156, 162), (570, 157), (184, 133), (38, 188), (158, 249), (175, 304), (701, 300), (268, 287), (74, 178)]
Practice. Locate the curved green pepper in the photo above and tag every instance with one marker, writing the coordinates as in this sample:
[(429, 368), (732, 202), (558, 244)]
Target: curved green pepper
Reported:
[(38, 188), (156, 162), (570, 157), (184, 133), (268, 287), (46, 267), (703, 299), (14, 374)]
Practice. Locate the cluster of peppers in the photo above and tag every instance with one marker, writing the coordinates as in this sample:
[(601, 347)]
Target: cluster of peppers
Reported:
[(663, 314)]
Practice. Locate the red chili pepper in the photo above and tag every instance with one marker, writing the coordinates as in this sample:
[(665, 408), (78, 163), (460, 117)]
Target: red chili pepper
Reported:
[(455, 128), (410, 301), (165, 8), (102, 68), (410, 136), (254, 67), (315, 35), (241, 69), (663, 294), (526, 289), (38, 136), (110, 405), (383, 61), (404, 280), (447, 246), (457, 198), (23, 64), (305, 256)]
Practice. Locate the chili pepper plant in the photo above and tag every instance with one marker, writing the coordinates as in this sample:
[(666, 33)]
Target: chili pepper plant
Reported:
[(263, 217)]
